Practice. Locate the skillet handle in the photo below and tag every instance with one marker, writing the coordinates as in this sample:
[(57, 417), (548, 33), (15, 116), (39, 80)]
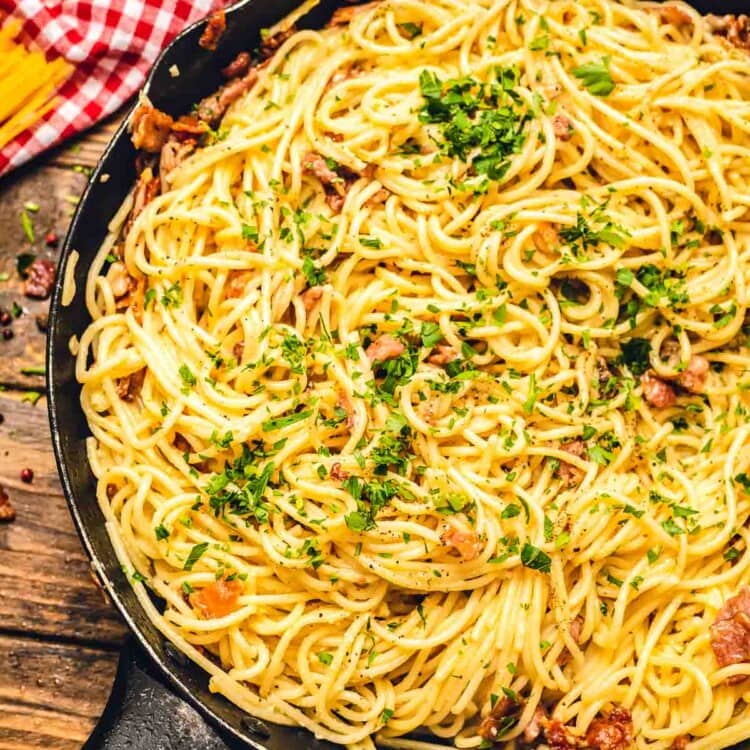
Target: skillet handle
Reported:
[(143, 714)]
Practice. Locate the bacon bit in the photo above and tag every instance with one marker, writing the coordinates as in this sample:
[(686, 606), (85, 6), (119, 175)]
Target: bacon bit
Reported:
[(343, 16), (151, 128), (341, 75), (129, 387), (7, 511), (238, 67), (575, 629), (212, 108), (546, 238), (215, 27), (189, 126), (336, 183), (40, 279), (236, 283), (146, 189), (735, 29), (559, 738), (127, 291), (681, 742), (316, 165), (380, 197), (238, 350), (656, 391), (311, 297), (338, 473), (693, 378), (491, 725), (569, 473), (535, 726), (271, 44), (672, 14), (461, 538), (120, 281), (562, 127), (612, 732), (180, 442), (218, 599), (172, 155), (384, 347), (345, 403), (442, 354), (730, 633)]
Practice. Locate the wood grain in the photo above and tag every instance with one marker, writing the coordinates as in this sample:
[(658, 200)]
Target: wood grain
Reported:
[(45, 577), (58, 634), (51, 694)]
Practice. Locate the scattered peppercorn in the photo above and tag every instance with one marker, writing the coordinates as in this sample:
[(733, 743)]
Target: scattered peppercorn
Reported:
[(5, 318), (52, 239), (27, 475), (7, 334)]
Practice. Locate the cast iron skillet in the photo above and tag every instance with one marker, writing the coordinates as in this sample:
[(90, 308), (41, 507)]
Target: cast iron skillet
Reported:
[(157, 690)]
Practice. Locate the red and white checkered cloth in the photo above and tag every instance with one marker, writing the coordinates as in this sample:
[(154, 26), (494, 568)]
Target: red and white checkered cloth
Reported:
[(111, 43)]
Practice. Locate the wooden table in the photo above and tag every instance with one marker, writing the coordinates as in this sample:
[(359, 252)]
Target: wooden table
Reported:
[(59, 637)]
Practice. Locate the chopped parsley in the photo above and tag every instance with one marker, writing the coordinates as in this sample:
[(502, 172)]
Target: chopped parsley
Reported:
[(172, 296), (472, 115), (635, 354), (596, 77), (535, 558), (279, 423), (315, 276), (188, 379), (195, 554)]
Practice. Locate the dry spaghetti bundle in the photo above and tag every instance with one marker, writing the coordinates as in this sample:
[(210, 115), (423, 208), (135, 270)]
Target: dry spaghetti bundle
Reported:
[(28, 82)]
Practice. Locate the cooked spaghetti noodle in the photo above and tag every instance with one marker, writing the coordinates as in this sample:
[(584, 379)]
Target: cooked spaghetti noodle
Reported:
[(419, 393)]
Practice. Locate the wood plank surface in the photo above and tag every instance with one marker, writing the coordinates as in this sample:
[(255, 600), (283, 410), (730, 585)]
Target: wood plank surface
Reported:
[(50, 693), (59, 636)]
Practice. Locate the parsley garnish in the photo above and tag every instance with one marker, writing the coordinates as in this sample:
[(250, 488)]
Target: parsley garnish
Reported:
[(535, 558), (195, 555), (635, 354), (315, 276), (371, 497), (475, 115), (188, 379), (172, 297), (430, 335), (411, 30), (250, 233), (280, 422), (596, 77)]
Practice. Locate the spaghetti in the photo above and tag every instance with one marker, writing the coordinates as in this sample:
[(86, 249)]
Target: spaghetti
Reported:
[(418, 387), (28, 83)]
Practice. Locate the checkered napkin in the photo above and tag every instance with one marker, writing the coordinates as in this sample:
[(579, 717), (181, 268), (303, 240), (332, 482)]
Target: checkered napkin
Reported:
[(111, 43)]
